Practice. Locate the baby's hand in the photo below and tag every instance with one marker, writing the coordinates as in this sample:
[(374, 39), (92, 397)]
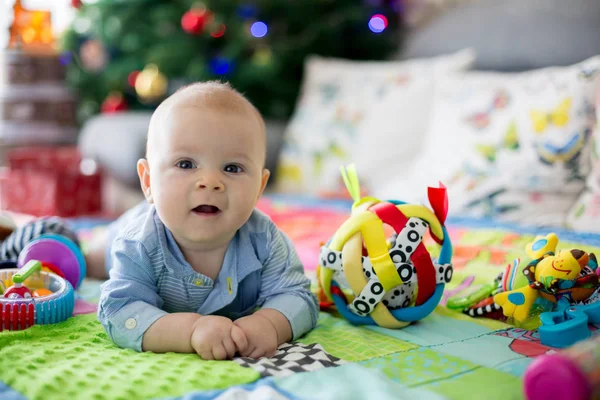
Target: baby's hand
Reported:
[(217, 338), (261, 335)]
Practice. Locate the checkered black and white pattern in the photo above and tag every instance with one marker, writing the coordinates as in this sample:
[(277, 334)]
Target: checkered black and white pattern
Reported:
[(291, 358)]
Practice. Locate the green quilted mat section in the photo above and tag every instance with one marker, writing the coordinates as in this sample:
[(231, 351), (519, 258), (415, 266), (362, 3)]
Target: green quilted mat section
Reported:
[(353, 343), (484, 383), (76, 359), (419, 366)]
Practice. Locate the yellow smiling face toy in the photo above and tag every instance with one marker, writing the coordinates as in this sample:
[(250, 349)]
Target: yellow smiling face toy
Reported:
[(552, 276), (566, 265)]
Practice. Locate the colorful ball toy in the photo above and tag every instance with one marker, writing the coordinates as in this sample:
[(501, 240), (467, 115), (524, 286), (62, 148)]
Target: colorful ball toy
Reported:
[(387, 281), (39, 288)]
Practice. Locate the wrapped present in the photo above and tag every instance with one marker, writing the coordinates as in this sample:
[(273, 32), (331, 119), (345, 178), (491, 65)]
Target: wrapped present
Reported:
[(50, 181)]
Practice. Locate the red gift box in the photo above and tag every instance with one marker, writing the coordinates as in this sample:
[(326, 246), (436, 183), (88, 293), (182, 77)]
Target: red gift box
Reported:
[(50, 181)]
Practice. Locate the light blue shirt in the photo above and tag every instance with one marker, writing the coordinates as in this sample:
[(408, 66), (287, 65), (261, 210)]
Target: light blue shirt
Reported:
[(149, 278)]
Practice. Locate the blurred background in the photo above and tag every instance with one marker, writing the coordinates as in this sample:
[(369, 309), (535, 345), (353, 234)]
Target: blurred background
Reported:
[(67, 61), (337, 81)]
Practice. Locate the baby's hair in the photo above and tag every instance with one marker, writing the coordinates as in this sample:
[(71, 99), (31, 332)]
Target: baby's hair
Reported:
[(219, 95), (214, 95)]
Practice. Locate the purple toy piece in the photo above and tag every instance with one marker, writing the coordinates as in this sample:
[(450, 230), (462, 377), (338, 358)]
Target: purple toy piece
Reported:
[(555, 377), (54, 252)]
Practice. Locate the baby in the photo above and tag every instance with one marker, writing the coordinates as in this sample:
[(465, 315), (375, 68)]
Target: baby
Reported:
[(190, 266)]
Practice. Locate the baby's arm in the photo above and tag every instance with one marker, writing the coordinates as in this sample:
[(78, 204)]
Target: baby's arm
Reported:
[(212, 337), (129, 304), (130, 311), (173, 332), (287, 304)]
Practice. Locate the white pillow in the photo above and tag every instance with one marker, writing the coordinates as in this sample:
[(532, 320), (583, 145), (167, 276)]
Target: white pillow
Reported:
[(584, 215), (392, 133), (336, 97), (494, 140)]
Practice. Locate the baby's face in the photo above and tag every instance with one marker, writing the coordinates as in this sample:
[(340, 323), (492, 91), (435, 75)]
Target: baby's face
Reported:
[(206, 173)]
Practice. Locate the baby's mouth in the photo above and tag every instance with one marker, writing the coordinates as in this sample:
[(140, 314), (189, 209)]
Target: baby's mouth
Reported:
[(206, 209)]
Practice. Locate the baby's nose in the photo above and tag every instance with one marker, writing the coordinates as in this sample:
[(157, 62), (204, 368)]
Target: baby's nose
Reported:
[(210, 183)]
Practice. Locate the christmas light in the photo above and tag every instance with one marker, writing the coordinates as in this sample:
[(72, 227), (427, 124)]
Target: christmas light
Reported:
[(219, 32), (220, 65), (378, 23), (82, 25), (114, 103), (262, 56), (132, 77), (193, 21), (93, 55), (259, 29), (65, 57)]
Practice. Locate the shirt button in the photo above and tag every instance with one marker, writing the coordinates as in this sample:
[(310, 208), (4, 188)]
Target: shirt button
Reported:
[(130, 323), (198, 282)]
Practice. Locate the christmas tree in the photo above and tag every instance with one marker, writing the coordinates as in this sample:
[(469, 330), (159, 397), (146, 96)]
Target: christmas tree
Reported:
[(132, 54)]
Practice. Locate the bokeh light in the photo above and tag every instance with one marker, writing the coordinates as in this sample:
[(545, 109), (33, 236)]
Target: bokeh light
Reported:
[(220, 65), (259, 29), (378, 23), (219, 32)]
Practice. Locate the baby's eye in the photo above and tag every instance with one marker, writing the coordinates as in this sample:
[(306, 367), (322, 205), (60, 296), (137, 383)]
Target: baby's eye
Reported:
[(234, 169), (185, 164)]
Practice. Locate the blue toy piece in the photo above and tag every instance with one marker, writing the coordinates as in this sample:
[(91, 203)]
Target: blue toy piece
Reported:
[(568, 324)]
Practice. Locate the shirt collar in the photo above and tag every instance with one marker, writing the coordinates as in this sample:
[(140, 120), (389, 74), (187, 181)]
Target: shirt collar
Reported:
[(239, 261)]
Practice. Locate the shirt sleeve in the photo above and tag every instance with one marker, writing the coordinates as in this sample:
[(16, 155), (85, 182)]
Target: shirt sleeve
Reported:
[(129, 302), (284, 286)]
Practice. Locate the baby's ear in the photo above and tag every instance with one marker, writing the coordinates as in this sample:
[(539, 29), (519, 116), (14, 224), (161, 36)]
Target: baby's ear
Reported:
[(143, 170), (265, 178)]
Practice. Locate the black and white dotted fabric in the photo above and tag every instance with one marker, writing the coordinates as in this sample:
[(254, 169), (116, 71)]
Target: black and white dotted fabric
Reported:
[(443, 272), (480, 311), (291, 358), (368, 298), (331, 259), (407, 240)]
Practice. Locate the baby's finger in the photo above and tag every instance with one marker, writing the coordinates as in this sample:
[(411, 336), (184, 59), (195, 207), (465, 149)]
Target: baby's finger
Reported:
[(204, 350), (206, 354), (270, 353), (248, 351), (239, 338), (219, 352), (229, 347), (257, 353)]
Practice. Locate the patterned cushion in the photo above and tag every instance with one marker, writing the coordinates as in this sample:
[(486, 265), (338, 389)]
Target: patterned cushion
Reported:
[(585, 214), (509, 146), (335, 98)]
